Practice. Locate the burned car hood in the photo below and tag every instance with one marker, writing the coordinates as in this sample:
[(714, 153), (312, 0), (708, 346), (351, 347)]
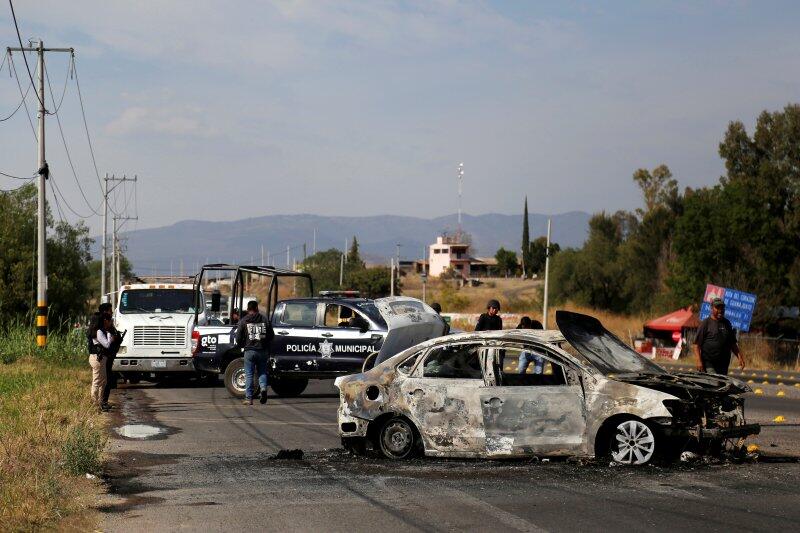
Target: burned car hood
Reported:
[(604, 350), (686, 383), (409, 321)]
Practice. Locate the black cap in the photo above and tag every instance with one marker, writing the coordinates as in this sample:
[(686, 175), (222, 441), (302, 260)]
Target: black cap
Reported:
[(493, 303), (717, 302)]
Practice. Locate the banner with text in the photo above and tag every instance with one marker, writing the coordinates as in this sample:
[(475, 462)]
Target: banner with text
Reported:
[(739, 306)]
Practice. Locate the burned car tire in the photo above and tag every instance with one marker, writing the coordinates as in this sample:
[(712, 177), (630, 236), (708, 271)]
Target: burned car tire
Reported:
[(398, 439), (288, 388), (632, 442)]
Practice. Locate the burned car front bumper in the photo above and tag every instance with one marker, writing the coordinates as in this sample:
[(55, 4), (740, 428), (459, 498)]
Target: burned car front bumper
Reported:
[(733, 432)]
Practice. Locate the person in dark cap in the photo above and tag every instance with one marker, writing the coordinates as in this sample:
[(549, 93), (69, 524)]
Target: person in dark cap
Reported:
[(490, 320), (715, 341)]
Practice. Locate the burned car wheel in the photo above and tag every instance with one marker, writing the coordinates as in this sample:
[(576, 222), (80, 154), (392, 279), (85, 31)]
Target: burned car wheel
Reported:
[(632, 443), (398, 439)]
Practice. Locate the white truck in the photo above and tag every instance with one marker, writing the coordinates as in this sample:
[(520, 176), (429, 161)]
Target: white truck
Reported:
[(158, 318)]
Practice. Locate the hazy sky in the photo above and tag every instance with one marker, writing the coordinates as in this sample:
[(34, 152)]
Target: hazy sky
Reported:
[(234, 109)]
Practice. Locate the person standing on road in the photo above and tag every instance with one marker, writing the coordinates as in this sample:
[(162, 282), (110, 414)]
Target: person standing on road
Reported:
[(110, 356), (103, 342), (715, 341), (253, 335), (490, 320)]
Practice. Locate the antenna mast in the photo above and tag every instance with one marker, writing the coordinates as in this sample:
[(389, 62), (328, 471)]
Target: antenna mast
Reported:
[(460, 181)]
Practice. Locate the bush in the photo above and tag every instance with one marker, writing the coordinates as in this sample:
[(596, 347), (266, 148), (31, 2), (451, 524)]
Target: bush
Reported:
[(81, 450)]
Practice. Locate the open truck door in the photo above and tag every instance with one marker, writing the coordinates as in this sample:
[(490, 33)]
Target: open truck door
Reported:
[(227, 289)]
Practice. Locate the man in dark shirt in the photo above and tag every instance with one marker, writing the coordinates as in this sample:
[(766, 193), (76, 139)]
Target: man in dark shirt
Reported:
[(253, 335), (715, 341), (490, 320)]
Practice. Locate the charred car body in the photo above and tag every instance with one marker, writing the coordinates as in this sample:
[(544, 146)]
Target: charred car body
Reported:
[(320, 337), (461, 396)]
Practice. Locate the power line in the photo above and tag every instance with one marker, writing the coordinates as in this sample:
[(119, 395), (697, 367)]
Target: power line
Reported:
[(24, 96), (66, 149), (19, 37), (18, 188), (64, 91), (85, 124), (63, 199), (15, 177)]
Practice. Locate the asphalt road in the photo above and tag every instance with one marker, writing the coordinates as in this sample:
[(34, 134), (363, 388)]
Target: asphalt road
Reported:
[(211, 467)]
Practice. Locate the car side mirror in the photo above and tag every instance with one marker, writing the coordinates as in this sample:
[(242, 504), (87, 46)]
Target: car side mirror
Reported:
[(215, 301)]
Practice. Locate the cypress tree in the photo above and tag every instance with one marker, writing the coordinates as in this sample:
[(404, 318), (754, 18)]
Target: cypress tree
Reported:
[(526, 241)]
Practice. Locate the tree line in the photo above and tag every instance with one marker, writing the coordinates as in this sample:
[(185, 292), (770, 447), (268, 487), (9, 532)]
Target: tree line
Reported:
[(326, 269), (743, 232)]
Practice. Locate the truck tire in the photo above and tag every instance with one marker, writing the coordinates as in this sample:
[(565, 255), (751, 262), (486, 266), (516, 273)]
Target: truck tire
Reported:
[(235, 378), (288, 388)]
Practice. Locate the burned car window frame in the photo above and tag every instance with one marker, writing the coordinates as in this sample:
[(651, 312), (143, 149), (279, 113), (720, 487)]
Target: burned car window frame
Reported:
[(419, 367)]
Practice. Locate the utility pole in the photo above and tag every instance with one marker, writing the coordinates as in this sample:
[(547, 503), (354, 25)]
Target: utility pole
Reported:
[(391, 276), (262, 255), (104, 247), (341, 272), (43, 172), (116, 258), (546, 276), (314, 243), (287, 256)]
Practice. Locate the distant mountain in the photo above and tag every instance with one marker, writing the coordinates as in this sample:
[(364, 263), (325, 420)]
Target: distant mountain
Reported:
[(157, 250)]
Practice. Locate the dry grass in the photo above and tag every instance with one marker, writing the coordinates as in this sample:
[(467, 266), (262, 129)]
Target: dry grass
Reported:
[(50, 437), (516, 295)]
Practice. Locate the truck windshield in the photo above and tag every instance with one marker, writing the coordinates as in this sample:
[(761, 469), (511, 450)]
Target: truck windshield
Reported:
[(156, 301)]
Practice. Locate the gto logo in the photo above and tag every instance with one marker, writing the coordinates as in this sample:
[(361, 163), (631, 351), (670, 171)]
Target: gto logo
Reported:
[(208, 341)]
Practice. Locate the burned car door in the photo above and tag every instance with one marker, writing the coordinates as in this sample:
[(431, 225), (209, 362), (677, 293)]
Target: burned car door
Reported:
[(531, 413), (443, 399)]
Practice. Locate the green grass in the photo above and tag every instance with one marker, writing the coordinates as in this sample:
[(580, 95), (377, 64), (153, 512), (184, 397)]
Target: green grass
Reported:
[(50, 435), (65, 345)]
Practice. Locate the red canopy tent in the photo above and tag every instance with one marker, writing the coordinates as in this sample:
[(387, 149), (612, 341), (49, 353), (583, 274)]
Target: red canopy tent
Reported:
[(674, 323)]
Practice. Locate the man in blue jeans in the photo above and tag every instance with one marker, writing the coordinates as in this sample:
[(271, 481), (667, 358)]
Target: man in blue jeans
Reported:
[(253, 335), (526, 357)]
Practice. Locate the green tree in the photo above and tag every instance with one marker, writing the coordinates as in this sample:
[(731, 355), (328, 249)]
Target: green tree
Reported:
[(126, 272), (526, 243), (353, 258), (537, 254), (372, 282), (506, 261), (68, 253), (745, 233), (658, 187), (324, 269)]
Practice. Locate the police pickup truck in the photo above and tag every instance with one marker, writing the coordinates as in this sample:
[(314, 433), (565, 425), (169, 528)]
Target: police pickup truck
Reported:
[(320, 337)]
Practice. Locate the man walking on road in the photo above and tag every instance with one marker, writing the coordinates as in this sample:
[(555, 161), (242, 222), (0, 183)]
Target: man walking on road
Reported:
[(490, 320), (715, 341), (253, 335)]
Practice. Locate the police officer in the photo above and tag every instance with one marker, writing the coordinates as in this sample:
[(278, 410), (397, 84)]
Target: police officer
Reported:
[(715, 341), (110, 356), (253, 335), (490, 320)]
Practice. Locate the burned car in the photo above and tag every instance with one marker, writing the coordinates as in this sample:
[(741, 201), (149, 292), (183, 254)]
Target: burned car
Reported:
[(463, 396)]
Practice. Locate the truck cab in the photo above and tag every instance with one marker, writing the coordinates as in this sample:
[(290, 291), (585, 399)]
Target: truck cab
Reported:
[(157, 319)]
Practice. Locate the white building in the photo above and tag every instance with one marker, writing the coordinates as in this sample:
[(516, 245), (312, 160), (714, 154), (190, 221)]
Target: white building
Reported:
[(449, 252)]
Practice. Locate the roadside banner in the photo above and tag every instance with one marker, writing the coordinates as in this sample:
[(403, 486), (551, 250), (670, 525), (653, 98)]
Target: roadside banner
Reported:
[(739, 305)]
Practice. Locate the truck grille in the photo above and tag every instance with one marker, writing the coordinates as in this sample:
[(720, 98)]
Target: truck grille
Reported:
[(159, 335)]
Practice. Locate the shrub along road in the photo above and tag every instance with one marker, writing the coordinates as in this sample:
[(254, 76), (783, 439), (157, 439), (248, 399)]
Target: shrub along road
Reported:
[(201, 460)]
